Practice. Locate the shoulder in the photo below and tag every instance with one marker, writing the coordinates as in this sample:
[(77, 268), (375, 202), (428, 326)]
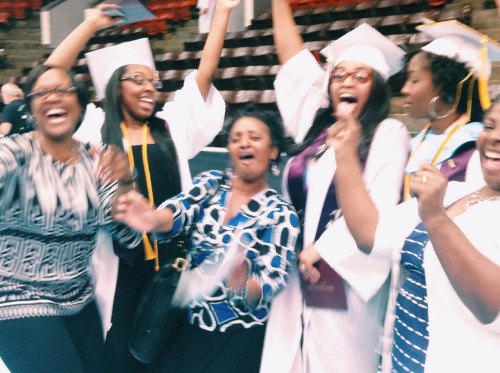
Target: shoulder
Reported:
[(213, 178), (391, 124), (275, 201)]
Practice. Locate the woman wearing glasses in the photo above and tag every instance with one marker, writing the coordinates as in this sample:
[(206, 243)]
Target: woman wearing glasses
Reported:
[(159, 144), (329, 327), (54, 198)]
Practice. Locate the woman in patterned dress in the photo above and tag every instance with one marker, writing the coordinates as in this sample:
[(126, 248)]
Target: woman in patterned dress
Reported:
[(224, 331), (54, 198), (159, 144)]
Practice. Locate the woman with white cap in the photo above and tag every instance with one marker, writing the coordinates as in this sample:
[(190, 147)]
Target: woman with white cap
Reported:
[(443, 257), (447, 86), (159, 144), (340, 325)]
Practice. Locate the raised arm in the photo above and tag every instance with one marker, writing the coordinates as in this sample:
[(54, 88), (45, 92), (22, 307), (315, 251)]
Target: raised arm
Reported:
[(287, 38), (213, 46), (67, 51), (472, 274)]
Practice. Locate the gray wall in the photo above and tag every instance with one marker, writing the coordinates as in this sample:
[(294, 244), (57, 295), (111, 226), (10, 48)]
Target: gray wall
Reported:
[(58, 20)]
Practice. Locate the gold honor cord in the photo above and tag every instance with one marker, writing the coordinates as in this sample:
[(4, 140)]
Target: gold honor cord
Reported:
[(457, 125), (150, 251)]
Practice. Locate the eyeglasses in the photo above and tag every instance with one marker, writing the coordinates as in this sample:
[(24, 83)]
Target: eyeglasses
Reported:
[(58, 90), (359, 76), (140, 80)]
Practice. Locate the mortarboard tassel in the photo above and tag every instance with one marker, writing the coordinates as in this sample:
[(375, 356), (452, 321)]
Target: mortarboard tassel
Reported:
[(484, 94)]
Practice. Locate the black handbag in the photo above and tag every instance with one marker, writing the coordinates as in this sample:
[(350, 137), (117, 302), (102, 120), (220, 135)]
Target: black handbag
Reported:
[(157, 318)]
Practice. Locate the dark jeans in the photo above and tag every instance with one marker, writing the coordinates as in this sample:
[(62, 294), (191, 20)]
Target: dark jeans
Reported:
[(53, 344)]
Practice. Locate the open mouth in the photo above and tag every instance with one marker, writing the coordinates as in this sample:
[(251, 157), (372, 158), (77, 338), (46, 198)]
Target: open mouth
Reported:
[(246, 156), (56, 115), (346, 106)]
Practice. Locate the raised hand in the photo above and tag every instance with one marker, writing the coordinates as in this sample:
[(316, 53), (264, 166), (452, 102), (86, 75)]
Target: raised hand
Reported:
[(344, 135), (229, 4), (113, 166), (100, 19), (428, 184), (134, 210)]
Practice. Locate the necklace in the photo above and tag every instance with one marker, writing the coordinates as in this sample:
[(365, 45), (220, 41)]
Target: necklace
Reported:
[(476, 198), (150, 251)]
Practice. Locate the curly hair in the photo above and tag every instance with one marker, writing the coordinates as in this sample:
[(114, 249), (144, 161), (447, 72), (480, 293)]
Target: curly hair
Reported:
[(270, 118), (447, 74)]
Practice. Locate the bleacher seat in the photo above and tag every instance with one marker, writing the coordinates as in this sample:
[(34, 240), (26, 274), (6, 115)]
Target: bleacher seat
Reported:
[(229, 78), (315, 32), (393, 24), (412, 6), (387, 8), (365, 9), (416, 19), (339, 28)]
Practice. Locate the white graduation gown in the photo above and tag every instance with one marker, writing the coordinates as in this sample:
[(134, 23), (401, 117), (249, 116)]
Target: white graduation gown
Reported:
[(334, 341), (193, 124)]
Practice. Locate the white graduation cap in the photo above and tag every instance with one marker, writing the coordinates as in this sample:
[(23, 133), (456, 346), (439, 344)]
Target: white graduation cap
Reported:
[(462, 43), (366, 45), (102, 63)]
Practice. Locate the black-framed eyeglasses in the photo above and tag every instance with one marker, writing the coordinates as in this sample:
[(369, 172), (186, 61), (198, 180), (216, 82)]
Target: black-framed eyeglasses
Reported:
[(359, 76), (61, 91), (140, 80)]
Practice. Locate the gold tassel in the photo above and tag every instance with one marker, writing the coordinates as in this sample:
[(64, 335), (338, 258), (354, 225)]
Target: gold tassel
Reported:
[(484, 94), (148, 248)]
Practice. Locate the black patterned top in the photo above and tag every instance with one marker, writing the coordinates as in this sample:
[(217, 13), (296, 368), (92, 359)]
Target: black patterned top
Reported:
[(49, 217), (268, 225)]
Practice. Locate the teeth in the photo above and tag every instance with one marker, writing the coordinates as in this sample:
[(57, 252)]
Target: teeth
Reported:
[(55, 112), (150, 100), (491, 154)]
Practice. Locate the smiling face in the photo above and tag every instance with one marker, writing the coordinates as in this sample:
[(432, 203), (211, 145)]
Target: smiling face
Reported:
[(138, 100), (54, 104), (419, 88), (488, 144), (349, 92), (251, 149)]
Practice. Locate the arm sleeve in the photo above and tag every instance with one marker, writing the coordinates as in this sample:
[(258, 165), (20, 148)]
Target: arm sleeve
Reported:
[(383, 177), (186, 207), (300, 91), (194, 122), (276, 251)]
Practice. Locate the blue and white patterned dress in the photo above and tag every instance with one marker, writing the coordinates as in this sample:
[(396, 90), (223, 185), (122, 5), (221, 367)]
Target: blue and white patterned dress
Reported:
[(270, 227), (411, 335)]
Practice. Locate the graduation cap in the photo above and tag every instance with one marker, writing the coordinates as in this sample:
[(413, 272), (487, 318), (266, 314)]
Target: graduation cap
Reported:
[(102, 63), (462, 43), (366, 45)]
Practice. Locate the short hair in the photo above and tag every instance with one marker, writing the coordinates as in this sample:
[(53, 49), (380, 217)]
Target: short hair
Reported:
[(81, 89), (12, 90), (270, 118)]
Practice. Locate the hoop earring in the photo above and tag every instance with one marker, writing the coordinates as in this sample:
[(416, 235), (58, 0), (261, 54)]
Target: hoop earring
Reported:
[(432, 109), (275, 170)]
